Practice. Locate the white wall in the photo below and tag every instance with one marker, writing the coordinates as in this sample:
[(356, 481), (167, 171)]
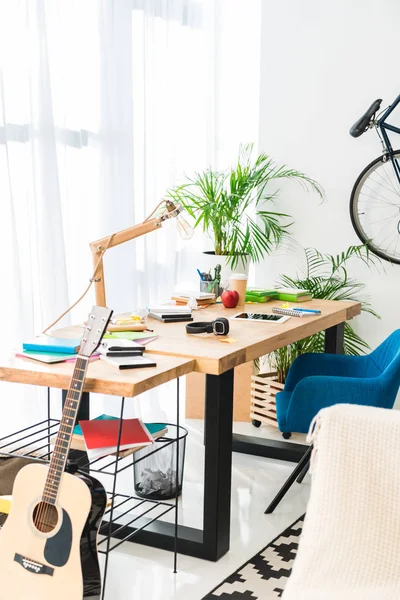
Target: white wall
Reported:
[(322, 64)]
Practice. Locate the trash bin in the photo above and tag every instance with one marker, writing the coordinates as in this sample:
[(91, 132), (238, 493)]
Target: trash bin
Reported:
[(155, 474)]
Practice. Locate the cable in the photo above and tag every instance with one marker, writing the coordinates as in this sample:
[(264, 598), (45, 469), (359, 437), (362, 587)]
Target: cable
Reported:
[(92, 279), (151, 215)]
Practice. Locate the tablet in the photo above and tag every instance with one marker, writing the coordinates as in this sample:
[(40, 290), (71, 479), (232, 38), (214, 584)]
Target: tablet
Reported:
[(264, 318)]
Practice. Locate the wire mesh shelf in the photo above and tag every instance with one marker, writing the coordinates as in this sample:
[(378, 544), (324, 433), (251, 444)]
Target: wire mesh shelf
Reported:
[(32, 447), (120, 528), (36, 443)]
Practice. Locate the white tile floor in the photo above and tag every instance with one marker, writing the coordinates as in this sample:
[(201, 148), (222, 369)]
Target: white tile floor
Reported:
[(139, 572)]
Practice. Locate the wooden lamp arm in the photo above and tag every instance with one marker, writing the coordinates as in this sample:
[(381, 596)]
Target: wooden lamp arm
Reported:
[(99, 247)]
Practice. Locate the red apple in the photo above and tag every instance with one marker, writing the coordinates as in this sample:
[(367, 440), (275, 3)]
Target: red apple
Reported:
[(230, 298)]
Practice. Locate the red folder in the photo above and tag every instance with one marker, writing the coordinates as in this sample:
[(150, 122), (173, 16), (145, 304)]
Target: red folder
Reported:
[(101, 434)]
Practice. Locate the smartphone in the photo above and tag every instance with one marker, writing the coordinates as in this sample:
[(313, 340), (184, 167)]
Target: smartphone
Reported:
[(265, 318)]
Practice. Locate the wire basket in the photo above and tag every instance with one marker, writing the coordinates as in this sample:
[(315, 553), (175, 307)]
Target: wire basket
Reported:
[(155, 476)]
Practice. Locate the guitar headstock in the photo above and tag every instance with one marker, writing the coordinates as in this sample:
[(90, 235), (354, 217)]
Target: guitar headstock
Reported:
[(96, 325)]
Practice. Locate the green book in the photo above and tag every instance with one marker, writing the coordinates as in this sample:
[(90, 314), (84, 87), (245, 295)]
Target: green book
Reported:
[(293, 295), (260, 292), (253, 298), (259, 295)]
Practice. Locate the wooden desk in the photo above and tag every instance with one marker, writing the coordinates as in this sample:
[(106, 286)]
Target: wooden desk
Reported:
[(179, 354)]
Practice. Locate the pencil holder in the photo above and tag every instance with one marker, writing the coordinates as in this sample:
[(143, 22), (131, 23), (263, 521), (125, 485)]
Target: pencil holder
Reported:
[(211, 287)]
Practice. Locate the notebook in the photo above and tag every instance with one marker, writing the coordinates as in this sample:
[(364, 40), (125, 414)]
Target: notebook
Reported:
[(78, 443), (129, 362), (139, 336), (52, 357), (101, 436), (46, 343), (45, 357), (169, 309), (293, 295), (121, 348), (171, 318)]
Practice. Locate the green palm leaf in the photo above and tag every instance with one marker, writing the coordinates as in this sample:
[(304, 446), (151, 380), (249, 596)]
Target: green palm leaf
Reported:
[(326, 276), (232, 204)]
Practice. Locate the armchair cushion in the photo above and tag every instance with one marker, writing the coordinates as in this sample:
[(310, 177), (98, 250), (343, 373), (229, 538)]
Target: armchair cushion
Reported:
[(329, 364), (295, 410)]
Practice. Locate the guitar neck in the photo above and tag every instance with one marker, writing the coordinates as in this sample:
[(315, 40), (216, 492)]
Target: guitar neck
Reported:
[(65, 432)]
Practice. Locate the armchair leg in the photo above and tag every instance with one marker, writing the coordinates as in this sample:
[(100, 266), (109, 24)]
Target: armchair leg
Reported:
[(298, 472), (303, 473)]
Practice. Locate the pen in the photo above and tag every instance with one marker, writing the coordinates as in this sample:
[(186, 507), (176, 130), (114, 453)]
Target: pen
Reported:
[(308, 310), (201, 274)]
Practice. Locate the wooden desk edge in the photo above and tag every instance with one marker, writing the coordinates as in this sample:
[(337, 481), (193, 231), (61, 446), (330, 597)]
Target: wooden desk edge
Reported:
[(353, 311), (114, 388)]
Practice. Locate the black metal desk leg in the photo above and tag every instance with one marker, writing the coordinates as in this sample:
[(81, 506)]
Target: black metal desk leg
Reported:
[(218, 464), (334, 338)]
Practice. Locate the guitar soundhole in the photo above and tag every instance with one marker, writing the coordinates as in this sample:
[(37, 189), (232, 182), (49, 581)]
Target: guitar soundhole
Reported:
[(45, 517)]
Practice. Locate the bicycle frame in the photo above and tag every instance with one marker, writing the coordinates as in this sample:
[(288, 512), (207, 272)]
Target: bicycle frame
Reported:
[(384, 127)]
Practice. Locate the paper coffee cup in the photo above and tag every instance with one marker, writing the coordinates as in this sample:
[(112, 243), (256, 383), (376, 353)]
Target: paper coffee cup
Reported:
[(238, 282)]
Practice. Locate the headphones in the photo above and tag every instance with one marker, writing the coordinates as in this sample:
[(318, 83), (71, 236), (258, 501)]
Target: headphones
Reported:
[(218, 327)]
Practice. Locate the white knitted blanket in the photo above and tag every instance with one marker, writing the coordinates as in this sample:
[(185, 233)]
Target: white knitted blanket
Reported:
[(350, 545)]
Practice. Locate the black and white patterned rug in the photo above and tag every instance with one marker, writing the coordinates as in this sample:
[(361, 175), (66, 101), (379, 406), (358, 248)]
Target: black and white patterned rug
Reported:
[(264, 576)]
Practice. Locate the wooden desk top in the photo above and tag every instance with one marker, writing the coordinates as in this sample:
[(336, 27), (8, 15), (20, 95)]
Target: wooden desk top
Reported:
[(101, 377), (255, 339), (178, 353)]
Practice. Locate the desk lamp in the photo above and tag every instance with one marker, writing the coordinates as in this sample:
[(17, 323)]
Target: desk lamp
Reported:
[(165, 210)]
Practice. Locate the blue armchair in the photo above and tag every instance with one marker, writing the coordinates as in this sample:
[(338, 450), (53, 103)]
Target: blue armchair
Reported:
[(316, 381)]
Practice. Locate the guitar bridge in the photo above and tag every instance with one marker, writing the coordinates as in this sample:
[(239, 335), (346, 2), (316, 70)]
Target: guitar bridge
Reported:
[(33, 566)]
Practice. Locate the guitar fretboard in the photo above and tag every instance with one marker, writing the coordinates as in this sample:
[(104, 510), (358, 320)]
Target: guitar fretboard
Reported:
[(67, 424)]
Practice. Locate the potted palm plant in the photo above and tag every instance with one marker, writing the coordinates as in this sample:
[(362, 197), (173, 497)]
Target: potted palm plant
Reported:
[(231, 207), (326, 277)]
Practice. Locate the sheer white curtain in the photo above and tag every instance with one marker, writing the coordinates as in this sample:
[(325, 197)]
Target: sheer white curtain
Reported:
[(104, 104)]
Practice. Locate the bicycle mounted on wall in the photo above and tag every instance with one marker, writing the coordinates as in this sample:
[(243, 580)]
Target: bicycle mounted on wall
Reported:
[(375, 199)]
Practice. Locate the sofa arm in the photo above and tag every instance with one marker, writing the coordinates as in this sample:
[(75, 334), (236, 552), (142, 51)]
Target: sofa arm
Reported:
[(325, 364)]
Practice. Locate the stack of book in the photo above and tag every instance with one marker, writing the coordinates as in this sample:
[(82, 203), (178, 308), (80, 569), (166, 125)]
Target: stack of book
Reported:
[(99, 437), (259, 295), (124, 354), (202, 298), (293, 295), (285, 294), (50, 349), (170, 313)]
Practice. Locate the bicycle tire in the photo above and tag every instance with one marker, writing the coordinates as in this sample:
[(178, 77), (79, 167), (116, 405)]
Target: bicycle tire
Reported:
[(369, 169)]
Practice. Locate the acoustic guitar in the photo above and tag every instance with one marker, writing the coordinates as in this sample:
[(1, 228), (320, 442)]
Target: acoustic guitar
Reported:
[(48, 545)]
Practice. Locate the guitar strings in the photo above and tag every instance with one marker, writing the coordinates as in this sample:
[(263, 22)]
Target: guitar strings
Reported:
[(46, 508)]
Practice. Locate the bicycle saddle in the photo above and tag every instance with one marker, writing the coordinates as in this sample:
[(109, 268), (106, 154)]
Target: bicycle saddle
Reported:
[(361, 125)]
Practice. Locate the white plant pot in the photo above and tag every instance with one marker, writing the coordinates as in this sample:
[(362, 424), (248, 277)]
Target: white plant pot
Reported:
[(209, 260)]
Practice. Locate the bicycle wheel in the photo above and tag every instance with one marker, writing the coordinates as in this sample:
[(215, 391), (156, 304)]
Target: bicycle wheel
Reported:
[(375, 208)]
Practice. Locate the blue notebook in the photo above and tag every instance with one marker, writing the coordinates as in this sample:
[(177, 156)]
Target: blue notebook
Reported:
[(46, 343)]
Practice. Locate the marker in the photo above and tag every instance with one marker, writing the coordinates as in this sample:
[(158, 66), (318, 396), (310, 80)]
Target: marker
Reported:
[(308, 310)]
